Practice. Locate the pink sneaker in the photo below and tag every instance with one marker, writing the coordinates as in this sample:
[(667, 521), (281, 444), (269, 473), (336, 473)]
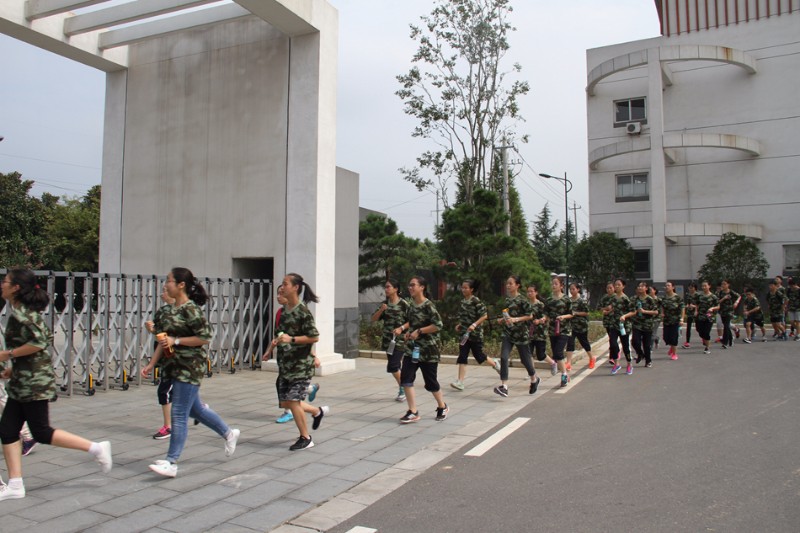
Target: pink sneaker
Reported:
[(686, 345), (674, 356)]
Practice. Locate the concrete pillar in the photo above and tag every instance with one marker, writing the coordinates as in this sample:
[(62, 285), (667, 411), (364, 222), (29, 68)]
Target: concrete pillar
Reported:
[(658, 173)]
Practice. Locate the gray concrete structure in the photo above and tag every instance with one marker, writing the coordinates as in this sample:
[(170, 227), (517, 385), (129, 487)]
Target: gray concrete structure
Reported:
[(220, 133)]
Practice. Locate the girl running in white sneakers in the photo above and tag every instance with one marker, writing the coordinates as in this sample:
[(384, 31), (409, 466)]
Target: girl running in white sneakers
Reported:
[(32, 382), (393, 314), (471, 316)]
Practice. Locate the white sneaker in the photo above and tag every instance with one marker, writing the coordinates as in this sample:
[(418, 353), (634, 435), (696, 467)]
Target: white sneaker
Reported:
[(8, 493), (104, 458), (230, 442), (164, 468)]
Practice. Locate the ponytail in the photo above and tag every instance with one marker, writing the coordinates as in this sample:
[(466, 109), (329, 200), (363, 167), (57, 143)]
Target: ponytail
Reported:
[(307, 294), (194, 290), (30, 293)]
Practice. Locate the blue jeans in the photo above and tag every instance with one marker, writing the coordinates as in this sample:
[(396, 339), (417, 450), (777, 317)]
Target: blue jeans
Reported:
[(186, 403)]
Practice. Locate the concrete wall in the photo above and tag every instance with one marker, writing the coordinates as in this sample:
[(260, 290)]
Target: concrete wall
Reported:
[(346, 317), (710, 185)]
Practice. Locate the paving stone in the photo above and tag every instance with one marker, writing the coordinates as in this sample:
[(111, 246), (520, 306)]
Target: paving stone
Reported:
[(262, 494), (321, 490), (271, 515), (202, 519), (145, 519)]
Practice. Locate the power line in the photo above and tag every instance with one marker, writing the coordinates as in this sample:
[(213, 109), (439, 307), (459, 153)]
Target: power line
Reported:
[(427, 193), (50, 161)]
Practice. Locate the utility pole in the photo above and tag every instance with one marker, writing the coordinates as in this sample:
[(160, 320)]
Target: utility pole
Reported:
[(506, 202), (575, 208)]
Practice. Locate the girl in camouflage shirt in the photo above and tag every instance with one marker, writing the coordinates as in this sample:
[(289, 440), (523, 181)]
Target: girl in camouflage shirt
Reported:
[(32, 382), (187, 332), (674, 315), (580, 325), (538, 329), (393, 313), (421, 329), (516, 314), (644, 313), (471, 316), (559, 323), (707, 306), (619, 335)]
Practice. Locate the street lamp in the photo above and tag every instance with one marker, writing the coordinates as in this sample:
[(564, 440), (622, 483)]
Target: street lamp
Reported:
[(567, 188)]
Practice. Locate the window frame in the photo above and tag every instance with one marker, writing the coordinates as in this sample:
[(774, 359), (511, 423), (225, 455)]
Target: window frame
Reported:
[(623, 123), (632, 197), (788, 251), (641, 274)]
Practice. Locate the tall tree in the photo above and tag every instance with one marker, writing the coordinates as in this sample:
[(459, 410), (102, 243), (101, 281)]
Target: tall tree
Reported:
[(22, 222), (72, 239), (599, 259), (737, 259), (547, 242), (387, 253), (460, 94)]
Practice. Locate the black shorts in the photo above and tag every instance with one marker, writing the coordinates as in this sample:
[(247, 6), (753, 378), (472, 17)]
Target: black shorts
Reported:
[(670, 332), (429, 370), (757, 321), (704, 329), (583, 339), (394, 361), (540, 349), (164, 391), (557, 345), (477, 352)]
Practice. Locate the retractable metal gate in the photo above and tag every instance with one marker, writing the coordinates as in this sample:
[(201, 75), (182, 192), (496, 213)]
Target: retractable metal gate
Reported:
[(98, 322)]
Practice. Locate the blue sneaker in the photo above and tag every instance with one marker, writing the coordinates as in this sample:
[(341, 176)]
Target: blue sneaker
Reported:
[(312, 394), (285, 417), (615, 369)]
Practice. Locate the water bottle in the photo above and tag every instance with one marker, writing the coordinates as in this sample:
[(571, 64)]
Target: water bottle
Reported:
[(506, 314), (392, 344), (558, 327), (639, 308), (622, 327), (464, 338), (415, 353)]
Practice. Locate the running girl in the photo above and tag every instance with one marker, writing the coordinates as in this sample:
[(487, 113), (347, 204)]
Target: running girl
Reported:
[(674, 315), (645, 309), (559, 316), (516, 314), (690, 303), (538, 329), (393, 313), (621, 305), (471, 316), (580, 325), (707, 306)]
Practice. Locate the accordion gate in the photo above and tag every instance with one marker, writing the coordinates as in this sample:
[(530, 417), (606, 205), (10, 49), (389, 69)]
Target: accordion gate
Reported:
[(98, 323)]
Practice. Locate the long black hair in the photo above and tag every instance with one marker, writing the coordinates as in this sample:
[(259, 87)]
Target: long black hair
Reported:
[(307, 294), (422, 282), (30, 293), (194, 290)]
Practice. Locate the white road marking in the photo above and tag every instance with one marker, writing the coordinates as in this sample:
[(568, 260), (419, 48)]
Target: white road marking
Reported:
[(492, 441), (360, 529), (574, 381)]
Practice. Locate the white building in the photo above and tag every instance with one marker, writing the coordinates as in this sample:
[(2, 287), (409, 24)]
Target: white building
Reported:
[(697, 133)]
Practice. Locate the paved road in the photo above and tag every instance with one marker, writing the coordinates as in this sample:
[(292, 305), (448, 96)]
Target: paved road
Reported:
[(705, 443)]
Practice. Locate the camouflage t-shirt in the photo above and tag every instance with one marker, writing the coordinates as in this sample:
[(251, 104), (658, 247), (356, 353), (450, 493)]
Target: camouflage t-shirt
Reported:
[(622, 305), (393, 317), (726, 301), (608, 320), (690, 301), (469, 312), (749, 305), (420, 316), (775, 303), (642, 321), (580, 324), (673, 309), (32, 376), (705, 302), (537, 332), (556, 307), (295, 362), (188, 363), (518, 306), (657, 318), (793, 294)]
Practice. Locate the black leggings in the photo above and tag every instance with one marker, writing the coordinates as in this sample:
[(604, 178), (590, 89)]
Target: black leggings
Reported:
[(614, 340), (35, 413), (689, 322), (642, 340), (727, 335)]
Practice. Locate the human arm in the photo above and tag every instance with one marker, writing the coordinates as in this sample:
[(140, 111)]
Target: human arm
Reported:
[(378, 312)]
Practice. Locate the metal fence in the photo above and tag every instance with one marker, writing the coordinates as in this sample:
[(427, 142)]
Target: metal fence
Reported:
[(100, 339)]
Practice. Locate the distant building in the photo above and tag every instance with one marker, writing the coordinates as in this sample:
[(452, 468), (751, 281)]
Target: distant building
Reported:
[(695, 133)]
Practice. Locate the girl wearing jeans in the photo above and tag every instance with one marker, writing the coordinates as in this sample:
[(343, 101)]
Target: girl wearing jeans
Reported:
[(185, 363)]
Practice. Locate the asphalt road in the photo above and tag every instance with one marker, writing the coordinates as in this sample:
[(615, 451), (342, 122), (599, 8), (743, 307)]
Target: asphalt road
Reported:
[(705, 443)]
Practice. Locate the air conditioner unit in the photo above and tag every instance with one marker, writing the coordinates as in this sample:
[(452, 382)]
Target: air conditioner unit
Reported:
[(634, 128)]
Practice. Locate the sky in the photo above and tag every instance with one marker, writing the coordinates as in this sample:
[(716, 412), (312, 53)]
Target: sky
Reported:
[(51, 108)]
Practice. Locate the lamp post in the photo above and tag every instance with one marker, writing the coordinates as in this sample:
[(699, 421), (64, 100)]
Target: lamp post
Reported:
[(567, 188)]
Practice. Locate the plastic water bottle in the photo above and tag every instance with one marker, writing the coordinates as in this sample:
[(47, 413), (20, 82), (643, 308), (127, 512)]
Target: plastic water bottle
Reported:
[(639, 307), (622, 327), (415, 353), (392, 344), (506, 314), (464, 338)]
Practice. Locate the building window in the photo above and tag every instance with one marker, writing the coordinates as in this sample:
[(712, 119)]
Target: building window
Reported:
[(791, 259), (632, 188), (641, 263), (630, 110)]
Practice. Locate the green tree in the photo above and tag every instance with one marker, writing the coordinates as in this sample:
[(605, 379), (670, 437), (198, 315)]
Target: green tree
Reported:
[(600, 258), (737, 259), (72, 239), (22, 222), (473, 236), (547, 242), (460, 94), (387, 253)]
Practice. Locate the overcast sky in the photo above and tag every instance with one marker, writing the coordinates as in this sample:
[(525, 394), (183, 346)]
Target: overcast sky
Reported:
[(51, 109)]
